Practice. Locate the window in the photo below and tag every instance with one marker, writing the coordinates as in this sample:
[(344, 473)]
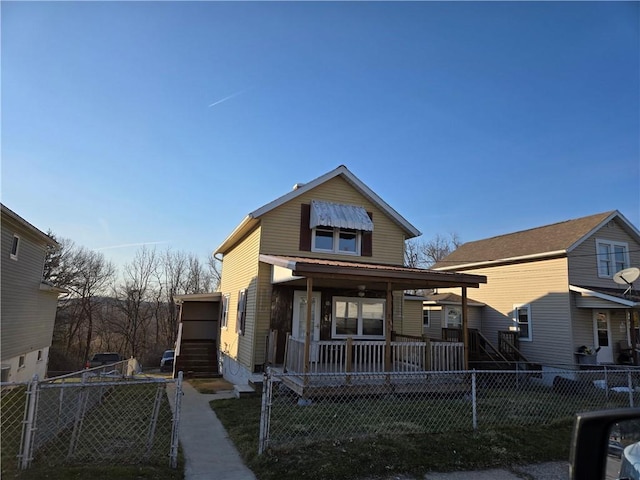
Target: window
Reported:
[(426, 317), (358, 317), (39, 355), (336, 240), (224, 311), (522, 320), (21, 361), (15, 247), (453, 317), (242, 311), (612, 257)]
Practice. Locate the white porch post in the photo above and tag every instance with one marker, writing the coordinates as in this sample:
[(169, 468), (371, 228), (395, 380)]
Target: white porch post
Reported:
[(307, 335)]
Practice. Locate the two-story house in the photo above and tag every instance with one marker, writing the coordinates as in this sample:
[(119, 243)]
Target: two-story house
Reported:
[(319, 267), (554, 285), (29, 305)]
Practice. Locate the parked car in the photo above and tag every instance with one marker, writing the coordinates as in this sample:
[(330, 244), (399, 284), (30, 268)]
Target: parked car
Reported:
[(166, 362), (105, 358), (615, 449)]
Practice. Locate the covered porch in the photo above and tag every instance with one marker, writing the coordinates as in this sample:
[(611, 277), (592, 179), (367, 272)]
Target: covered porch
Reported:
[(337, 317)]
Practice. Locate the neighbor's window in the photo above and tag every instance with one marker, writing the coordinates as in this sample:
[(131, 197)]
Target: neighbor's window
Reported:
[(522, 319), (39, 355), (21, 361), (358, 317), (242, 311), (336, 240), (454, 317), (612, 257), (15, 247), (224, 311)]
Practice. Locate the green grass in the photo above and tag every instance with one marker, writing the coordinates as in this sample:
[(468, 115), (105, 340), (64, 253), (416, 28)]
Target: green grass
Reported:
[(379, 456)]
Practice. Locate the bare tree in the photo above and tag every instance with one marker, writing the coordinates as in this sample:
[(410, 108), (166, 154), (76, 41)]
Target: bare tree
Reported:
[(135, 298), (426, 254)]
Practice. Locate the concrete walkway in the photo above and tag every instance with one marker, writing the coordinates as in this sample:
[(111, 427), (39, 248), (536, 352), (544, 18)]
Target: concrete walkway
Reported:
[(209, 453)]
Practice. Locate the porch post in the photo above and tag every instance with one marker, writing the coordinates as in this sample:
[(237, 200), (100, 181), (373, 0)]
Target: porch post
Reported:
[(307, 335), (388, 313), (465, 328), (634, 340)]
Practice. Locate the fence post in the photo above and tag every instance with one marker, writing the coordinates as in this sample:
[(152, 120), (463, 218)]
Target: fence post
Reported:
[(474, 400), (154, 419), (606, 383), (265, 411), (630, 389), (173, 452), (28, 429)]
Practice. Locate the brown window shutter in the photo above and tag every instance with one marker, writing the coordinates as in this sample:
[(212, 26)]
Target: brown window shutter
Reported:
[(305, 231), (367, 241)]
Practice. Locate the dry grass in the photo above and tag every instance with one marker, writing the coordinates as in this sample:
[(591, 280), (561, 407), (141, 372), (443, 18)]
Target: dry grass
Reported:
[(210, 385)]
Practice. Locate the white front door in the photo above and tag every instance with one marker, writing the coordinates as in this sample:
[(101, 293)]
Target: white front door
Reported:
[(299, 327), (602, 336)]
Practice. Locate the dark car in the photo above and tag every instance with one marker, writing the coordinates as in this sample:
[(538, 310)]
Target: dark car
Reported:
[(166, 362), (106, 358), (615, 449)]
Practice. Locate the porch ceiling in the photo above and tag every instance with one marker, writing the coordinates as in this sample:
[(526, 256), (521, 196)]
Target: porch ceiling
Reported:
[(336, 273), (592, 297)]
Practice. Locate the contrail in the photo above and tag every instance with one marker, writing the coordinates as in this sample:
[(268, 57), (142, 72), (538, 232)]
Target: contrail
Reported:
[(126, 245), (227, 98)]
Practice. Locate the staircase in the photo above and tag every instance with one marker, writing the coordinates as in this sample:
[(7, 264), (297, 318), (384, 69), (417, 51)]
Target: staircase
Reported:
[(198, 358)]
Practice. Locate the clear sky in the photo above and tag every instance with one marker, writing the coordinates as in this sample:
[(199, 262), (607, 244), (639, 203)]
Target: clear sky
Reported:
[(127, 123)]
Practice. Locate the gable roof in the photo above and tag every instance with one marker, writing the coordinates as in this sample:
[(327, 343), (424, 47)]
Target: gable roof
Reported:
[(252, 218), (7, 213), (556, 239)]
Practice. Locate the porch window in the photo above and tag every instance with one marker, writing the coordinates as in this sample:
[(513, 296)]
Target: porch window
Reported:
[(522, 320), (612, 257), (224, 311), (358, 317)]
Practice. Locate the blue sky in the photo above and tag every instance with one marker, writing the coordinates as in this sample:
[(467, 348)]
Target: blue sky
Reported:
[(126, 123)]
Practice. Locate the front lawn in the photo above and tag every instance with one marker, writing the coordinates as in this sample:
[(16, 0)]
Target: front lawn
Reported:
[(381, 456)]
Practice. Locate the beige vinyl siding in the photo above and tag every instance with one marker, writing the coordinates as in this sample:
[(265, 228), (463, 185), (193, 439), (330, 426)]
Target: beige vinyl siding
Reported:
[(410, 323), (240, 271), (583, 264), (544, 286), (281, 226), (263, 313), (434, 331), (28, 313)]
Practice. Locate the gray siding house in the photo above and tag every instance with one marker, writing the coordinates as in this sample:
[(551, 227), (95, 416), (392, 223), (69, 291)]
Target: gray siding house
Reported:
[(28, 308), (554, 286)]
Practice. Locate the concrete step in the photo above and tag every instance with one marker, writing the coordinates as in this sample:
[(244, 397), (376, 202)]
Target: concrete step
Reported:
[(243, 391)]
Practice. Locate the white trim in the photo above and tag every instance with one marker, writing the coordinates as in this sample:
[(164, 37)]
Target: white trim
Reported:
[(612, 244), (516, 321), (360, 301), (603, 296), (336, 242), (534, 256)]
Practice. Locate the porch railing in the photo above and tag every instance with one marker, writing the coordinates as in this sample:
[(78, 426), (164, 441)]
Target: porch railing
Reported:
[(347, 356)]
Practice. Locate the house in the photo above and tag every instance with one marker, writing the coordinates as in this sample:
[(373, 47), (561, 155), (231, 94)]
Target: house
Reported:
[(553, 288), (29, 304), (314, 281)]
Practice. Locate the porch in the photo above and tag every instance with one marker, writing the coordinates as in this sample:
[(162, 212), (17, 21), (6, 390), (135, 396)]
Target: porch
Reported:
[(332, 362)]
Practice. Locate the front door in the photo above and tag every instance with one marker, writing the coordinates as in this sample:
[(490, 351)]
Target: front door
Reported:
[(602, 336), (299, 327)]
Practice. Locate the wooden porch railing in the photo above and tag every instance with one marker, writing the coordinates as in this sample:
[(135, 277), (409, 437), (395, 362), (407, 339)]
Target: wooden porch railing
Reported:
[(349, 356)]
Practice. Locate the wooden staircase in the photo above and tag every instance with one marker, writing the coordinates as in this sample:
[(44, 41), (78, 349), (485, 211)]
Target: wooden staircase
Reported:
[(198, 359)]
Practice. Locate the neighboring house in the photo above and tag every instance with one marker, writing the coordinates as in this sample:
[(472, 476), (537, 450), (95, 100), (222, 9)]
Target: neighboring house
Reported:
[(29, 305), (553, 286), (316, 269)]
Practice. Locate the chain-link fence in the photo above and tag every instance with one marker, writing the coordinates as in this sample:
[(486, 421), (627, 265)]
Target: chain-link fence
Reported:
[(298, 409), (104, 415)]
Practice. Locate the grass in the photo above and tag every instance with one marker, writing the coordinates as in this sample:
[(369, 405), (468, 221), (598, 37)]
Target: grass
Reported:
[(210, 385), (112, 443), (379, 456)]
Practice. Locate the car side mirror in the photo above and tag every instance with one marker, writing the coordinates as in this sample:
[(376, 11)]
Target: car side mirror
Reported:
[(590, 443)]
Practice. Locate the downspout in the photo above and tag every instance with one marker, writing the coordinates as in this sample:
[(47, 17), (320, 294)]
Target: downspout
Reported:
[(465, 328)]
